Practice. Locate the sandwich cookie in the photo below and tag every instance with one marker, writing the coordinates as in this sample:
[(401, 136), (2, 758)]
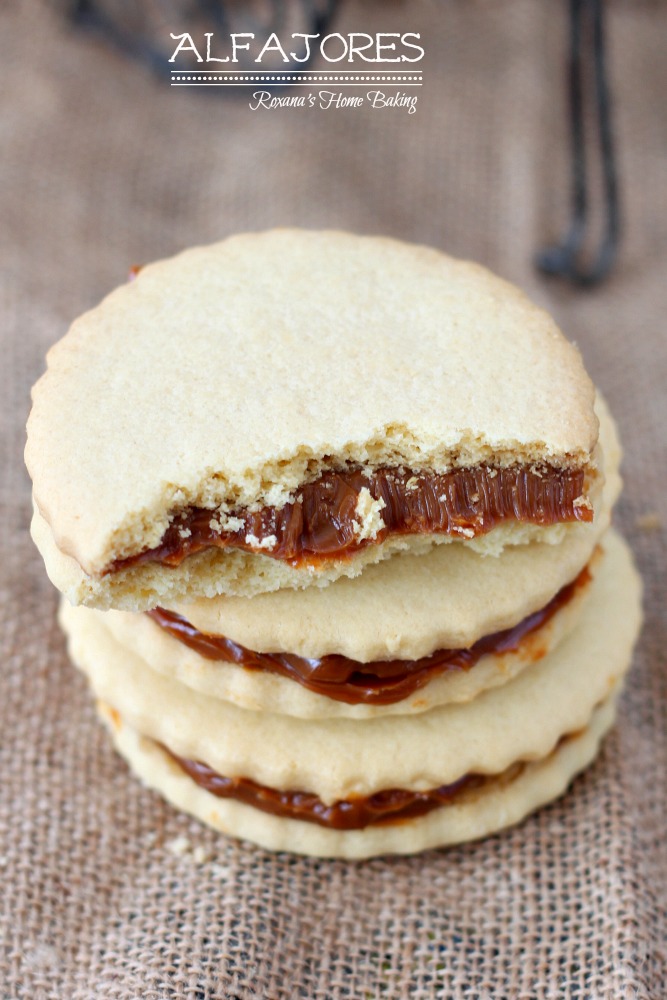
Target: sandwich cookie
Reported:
[(332, 685), (470, 811), (282, 409)]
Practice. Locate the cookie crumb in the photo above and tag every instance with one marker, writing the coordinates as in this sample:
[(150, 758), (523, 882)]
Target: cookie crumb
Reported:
[(649, 521), (178, 846), (269, 542), (231, 523), (367, 512), (200, 855), (220, 870)]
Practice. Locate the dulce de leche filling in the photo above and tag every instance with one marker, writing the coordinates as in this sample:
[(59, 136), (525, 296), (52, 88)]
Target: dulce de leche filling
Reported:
[(388, 806), (383, 808), (380, 682), (322, 521)]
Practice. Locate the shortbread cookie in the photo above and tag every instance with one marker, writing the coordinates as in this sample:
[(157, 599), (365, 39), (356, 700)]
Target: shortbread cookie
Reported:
[(146, 585), (284, 408), (336, 759), (335, 686), (474, 811)]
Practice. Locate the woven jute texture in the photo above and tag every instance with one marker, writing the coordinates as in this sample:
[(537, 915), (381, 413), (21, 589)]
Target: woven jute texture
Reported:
[(102, 167)]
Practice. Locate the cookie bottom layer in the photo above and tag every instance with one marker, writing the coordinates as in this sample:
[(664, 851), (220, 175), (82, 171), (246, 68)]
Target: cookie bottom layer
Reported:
[(476, 813)]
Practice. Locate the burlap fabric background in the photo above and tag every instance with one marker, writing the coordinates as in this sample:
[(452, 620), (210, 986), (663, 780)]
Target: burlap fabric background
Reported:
[(101, 168)]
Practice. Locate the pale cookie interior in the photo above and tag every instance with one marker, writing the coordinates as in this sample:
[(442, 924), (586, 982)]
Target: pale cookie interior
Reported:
[(236, 573)]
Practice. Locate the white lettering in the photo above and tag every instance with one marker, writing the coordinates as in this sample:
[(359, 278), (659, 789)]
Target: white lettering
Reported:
[(356, 46), (240, 46), (379, 99), (185, 45), (358, 50), (272, 44), (265, 99), (326, 39), (208, 35), (306, 39), (333, 99), (389, 46), (409, 45)]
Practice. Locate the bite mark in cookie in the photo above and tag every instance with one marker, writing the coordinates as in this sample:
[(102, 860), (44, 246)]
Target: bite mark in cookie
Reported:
[(343, 512)]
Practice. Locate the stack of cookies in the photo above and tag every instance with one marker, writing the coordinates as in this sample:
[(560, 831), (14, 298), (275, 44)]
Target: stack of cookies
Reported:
[(331, 518)]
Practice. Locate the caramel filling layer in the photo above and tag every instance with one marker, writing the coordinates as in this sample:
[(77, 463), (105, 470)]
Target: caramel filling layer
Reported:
[(384, 807), (322, 522), (381, 682), (390, 806)]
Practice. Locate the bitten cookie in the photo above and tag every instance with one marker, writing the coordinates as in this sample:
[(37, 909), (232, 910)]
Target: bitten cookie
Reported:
[(284, 408)]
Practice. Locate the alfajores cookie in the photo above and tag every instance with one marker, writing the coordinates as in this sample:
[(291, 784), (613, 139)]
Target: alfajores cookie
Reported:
[(336, 686), (468, 810), (284, 408)]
